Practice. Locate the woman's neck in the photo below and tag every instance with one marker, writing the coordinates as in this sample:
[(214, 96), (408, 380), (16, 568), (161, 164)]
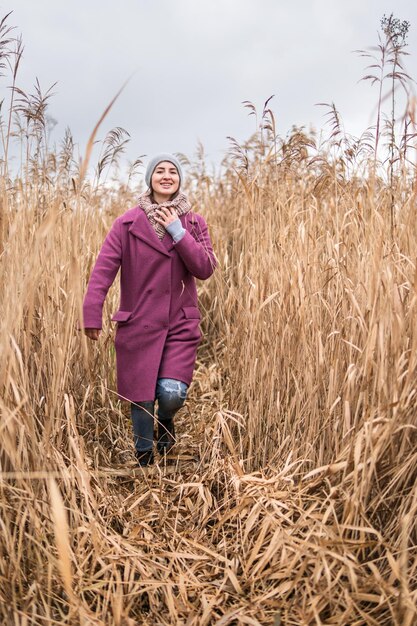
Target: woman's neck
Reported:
[(159, 198)]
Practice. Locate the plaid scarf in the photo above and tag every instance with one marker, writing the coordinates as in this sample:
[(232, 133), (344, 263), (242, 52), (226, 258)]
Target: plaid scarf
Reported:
[(180, 204)]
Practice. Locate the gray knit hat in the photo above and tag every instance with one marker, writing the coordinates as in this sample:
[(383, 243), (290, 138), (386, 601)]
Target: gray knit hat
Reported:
[(158, 159)]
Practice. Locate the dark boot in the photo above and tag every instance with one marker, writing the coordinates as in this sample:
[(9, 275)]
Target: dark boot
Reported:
[(166, 436), (145, 458), (142, 420)]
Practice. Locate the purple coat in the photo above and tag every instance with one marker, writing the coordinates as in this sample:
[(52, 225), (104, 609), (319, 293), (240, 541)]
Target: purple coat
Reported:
[(158, 320)]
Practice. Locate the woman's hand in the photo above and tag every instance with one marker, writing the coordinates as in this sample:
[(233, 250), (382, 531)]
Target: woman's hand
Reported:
[(165, 215), (92, 333)]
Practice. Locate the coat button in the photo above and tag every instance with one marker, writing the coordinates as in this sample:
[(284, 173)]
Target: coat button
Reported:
[(146, 326)]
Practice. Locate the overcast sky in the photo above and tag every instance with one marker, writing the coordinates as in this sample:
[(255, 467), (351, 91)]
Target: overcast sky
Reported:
[(193, 62)]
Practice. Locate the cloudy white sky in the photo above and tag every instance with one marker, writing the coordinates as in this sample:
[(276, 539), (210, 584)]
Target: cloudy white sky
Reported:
[(193, 62)]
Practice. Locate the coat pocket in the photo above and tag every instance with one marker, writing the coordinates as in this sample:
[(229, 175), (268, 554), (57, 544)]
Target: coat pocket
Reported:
[(122, 316), (191, 312)]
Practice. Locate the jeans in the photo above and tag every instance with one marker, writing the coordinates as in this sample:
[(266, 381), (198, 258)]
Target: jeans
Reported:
[(171, 395)]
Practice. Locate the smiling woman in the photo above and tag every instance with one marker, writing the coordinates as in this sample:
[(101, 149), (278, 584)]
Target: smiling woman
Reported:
[(161, 246)]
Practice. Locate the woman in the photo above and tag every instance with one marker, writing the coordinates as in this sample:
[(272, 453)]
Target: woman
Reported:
[(160, 247)]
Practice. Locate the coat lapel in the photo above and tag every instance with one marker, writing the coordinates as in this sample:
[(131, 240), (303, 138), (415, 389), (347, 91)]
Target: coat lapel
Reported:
[(142, 229), (168, 242)]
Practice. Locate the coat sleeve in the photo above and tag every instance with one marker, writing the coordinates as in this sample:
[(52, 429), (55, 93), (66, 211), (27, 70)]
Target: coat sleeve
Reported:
[(102, 276), (196, 250)]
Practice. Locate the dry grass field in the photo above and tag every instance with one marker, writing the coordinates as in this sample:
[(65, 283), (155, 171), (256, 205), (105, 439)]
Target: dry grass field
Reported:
[(292, 498)]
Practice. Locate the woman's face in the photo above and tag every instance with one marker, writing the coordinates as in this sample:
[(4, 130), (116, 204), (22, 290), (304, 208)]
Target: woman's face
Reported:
[(165, 179)]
